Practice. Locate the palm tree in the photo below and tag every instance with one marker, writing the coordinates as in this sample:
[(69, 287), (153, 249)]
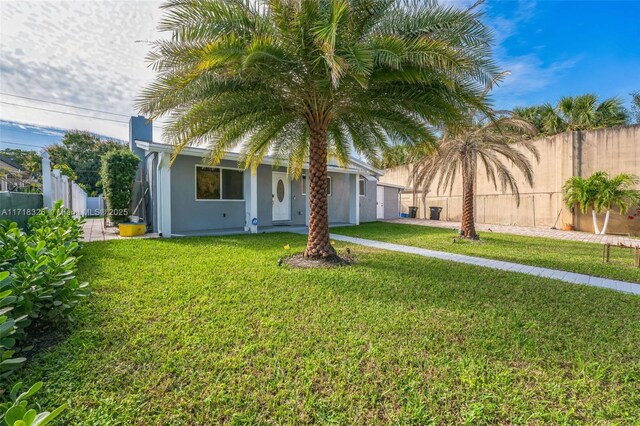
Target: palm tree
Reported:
[(575, 113), (600, 193), (301, 78), (484, 139), (582, 193), (619, 190)]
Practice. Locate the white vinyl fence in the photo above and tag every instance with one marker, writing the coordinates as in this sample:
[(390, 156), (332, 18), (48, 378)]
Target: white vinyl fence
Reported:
[(56, 186)]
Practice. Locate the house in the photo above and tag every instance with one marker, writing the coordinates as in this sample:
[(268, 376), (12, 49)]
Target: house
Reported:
[(13, 178), (192, 198)]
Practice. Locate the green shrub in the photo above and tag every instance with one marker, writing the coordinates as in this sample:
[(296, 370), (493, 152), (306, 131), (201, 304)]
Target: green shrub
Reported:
[(56, 226), (38, 283), (16, 411), (8, 328), (117, 173)]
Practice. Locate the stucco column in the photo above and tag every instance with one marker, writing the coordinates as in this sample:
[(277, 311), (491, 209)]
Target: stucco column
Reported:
[(164, 194), (251, 202), (47, 188), (354, 199)]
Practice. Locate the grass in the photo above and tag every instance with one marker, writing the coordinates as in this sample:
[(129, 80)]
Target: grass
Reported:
[(211, 330), (573, 256)]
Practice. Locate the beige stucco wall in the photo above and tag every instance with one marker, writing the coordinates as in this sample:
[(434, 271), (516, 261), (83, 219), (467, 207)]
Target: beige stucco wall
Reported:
[(613, 150)]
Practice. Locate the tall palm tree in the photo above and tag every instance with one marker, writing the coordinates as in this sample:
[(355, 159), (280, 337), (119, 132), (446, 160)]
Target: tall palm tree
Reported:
[(600, 193), (300, 78), (485, 139), (575, 113)]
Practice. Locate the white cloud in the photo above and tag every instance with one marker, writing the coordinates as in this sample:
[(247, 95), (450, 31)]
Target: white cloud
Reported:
[(85, 53), (529, 73)]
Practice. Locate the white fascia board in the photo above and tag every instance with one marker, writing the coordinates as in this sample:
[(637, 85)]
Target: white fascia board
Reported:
[(391, 185), (361, 167)]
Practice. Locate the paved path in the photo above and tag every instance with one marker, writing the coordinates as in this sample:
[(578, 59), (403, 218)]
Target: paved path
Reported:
[(529, 232), (94, 230), (569, 277)]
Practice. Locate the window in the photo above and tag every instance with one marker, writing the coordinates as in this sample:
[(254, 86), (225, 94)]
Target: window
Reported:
[(304, 185), (363, 187), (214, 183)]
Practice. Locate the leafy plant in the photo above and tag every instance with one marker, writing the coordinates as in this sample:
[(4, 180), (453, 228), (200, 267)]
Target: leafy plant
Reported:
[(599, 192), (56, 226), (16, 412), (7, 329), (117, 173), (38, 282)]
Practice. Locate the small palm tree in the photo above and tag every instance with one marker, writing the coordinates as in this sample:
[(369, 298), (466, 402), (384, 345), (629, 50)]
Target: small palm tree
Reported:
[(300, 79), (600, 193), (488, 140), (582, 193)]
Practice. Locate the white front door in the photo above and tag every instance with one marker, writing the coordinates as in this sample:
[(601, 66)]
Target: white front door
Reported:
[(281, 196), (380, 203)]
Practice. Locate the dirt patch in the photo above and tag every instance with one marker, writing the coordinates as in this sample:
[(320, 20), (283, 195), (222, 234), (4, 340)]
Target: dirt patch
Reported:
[(299, 261)]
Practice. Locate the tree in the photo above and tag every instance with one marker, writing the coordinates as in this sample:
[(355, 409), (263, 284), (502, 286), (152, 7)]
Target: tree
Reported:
[(574, 113), (635, 107), (30, 161), (81, 152), (118, 172), (601, 193), (484, 139), (299, 79)]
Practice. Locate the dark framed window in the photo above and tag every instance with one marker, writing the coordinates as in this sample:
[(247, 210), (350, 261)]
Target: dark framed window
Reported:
[(363, 187), (215, 183)]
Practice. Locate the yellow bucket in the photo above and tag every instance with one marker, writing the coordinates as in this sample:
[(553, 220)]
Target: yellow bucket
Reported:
[(132, 229)]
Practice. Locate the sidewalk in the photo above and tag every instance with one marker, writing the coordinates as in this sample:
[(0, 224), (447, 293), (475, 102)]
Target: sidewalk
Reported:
[(529, 232), (569, 277)]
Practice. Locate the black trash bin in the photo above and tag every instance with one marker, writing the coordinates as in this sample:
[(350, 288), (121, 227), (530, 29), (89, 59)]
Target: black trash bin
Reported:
[(413, 212), (434, 213)]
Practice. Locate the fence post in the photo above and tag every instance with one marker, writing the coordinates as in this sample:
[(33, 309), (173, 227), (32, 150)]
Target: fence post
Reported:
[(46, 181)]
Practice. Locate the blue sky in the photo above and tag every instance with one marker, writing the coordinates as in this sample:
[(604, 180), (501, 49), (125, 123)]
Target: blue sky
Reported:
[(91, 54), (560, 48)]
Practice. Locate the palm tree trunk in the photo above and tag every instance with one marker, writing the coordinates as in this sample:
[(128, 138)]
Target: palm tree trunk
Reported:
[(606, 223), (318, 242), (596, 230), (468, 226)]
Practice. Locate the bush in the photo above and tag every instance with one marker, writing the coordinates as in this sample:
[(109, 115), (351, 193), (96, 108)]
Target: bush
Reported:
[(38, 283), (15, 412), (117, 172)]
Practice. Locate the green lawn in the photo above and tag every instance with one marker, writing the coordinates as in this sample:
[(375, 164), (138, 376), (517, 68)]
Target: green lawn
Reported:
[(573, 256), (208, 330)]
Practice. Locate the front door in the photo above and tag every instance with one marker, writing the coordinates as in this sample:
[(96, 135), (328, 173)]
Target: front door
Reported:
[(281, 196), (380, 203)]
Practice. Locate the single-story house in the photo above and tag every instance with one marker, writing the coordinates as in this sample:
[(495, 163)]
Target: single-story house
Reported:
[(192, 198)]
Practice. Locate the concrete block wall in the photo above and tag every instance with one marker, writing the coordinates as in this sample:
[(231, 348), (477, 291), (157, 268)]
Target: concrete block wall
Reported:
[(614, 150)]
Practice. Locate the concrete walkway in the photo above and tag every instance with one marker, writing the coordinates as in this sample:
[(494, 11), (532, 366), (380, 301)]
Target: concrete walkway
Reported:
[(94, 230), (557, 234), (565, 276)]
